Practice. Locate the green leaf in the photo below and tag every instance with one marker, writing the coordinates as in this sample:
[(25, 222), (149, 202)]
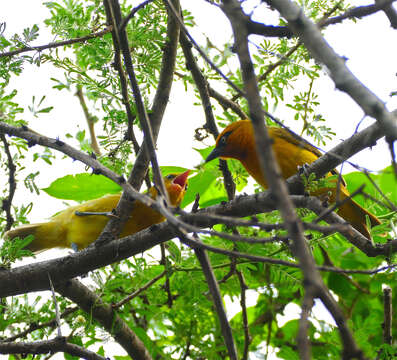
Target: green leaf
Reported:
[(166, 170), (385, 180), (82, 187), (199, 184)]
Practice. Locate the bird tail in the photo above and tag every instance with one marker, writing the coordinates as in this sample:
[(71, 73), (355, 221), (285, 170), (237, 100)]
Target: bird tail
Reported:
[(356, 215), (46, 235)]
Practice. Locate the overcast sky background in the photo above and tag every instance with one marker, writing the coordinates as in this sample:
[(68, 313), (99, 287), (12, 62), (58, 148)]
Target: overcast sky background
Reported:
[(368, 45)]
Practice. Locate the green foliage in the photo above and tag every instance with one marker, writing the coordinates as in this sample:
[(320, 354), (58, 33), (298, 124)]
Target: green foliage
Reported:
[(177, 310), (14, 250), (81, 187), (385, 180)]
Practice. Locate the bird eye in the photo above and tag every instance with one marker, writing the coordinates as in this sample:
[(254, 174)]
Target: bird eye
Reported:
[(171, 176), (223, 139)]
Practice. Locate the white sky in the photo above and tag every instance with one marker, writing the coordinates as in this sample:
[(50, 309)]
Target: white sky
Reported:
[(365, 45), (369, 46)]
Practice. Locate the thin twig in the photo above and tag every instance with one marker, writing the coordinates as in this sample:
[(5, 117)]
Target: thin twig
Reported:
[(90, 121), (56, 44), (139, 291), (132, 14), (54, 299), (164, 261), (12, 184), (302, 339), (202, 87), (202, 53), (247, 336), (217, 298), (122, 42), (338, 204), (104, 313)]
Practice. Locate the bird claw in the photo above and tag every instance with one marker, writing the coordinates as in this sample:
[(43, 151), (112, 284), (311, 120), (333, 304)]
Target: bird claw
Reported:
[(304, 169)]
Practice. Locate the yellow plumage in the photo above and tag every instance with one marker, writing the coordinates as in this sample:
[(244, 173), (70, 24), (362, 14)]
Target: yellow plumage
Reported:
[(68, 229), (237, 141)]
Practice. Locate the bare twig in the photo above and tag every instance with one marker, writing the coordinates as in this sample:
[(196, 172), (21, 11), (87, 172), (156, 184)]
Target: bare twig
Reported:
[(56, 44), (388, 316), (54, 299), (122, 42), (247, 337), (339, 72), (12, 185), (105, 315), (314, 285), (227, 103), (34, 326), (217, 298), (202, 53), (132, 14), (338, 204), (139, 291), (164, 261), (33, 277), (202, 87), (353, 13), (90, 121)]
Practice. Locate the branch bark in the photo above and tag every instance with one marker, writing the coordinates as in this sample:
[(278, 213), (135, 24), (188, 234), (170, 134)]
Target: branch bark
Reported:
[(106, 316)]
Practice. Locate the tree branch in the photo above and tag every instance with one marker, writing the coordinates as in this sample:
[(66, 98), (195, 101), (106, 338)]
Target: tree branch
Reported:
[(56, 44), (202, 87), (213, 286), (58, 344), (313, 283), (105, 315), (343, 78), (12, 184)]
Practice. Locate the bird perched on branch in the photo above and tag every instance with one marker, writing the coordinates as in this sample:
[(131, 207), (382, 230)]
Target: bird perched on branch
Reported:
[(237, 142), (77, 231)]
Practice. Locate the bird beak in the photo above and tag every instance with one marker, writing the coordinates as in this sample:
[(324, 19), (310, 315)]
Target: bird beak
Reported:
[(217, 152), (181, 179)]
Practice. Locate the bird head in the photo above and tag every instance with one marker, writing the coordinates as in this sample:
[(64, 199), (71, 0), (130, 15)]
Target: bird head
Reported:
[(176, 185), (234, 141)]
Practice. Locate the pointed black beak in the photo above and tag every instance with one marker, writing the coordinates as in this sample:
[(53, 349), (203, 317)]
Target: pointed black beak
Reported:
[(217, 152)]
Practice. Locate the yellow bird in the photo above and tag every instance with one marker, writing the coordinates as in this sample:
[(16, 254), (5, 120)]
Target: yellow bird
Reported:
[(68, 230), (237, 141)]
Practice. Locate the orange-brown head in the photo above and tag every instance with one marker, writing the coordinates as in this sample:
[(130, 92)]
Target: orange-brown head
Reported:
[(176, 185), (236, 141)]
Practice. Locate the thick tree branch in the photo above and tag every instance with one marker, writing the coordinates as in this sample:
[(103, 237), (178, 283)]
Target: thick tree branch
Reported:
[(353, 13), (58, 344), (33, 277), (202, 87), (343, 78), (202, 53), (106, 316), (314, 286), (159, 104), (388, 316), (389, 11), (213, 286), (34, 326)]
